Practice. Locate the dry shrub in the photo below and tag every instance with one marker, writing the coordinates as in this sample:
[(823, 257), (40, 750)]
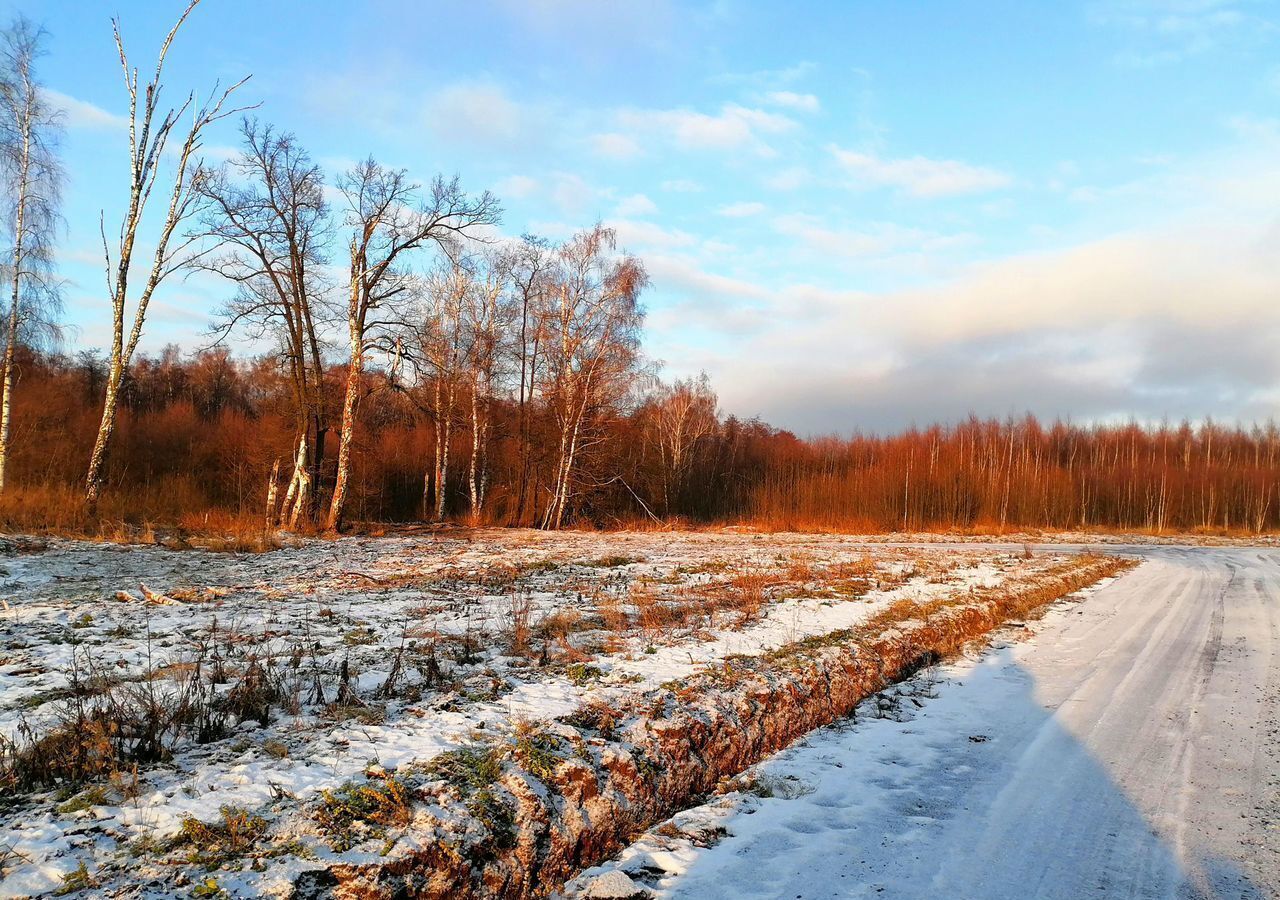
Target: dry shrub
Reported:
[(612, 614), (747, 593), (70, 754), (656, 615), (801, 572), (517, 630), (253, 695), (596, 715), (862, 567), (149, 516), (554, 630), (559, 625)]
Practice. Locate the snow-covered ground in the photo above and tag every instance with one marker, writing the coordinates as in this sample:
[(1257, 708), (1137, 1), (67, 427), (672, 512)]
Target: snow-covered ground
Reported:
[(1126, 745), (383, 651)]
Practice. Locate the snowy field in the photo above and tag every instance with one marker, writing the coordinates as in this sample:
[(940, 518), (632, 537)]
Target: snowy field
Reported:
[(238, 689), (1127, 744)]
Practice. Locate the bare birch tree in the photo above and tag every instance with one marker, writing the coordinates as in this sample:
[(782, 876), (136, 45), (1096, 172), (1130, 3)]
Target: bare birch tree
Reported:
[(29, 133), (388, 222), (592, 349), (532, 265), (486, 316), (148, 140), (440, 347), (267, 208), (684, 415)]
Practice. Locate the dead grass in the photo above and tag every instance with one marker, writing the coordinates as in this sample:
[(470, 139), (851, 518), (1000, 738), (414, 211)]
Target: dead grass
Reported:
[(60, 510)]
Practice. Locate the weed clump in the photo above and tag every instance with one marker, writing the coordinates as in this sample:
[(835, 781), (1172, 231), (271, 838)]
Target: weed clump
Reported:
[(474, 767), (213, 843), (357, 811)]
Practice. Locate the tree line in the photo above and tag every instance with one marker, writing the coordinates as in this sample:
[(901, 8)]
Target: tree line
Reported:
[(416, 364), (200, 436)]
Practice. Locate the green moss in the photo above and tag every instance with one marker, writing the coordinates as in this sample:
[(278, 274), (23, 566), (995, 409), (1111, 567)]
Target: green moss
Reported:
[(497, 816), (79, 880), (537, 752), (468, 768), (583, 673), (610, 562), (96, 795), (360, 636), (215, 843), (356, 811)]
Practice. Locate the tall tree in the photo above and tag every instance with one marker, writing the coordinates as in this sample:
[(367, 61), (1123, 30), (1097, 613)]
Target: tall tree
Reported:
[(486, 315), (267, 208), (440, 347), (532, 265), (389, 221), (592, 349), (148, 138), (683, 416), (29, 132)]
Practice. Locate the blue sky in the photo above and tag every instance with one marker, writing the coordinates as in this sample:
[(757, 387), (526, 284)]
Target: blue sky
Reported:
[(856, 214)]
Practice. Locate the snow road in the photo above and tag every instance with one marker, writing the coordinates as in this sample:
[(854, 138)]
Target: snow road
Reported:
[(1131, 749)]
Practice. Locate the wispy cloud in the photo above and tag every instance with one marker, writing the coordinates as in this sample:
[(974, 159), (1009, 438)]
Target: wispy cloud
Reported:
[(635, 234), (475, 113), (635, 205), (791, 100), (919, 176), (517, 186), (741, 210), (875, 240), (769, 78), (681, 186), (1169, 31), (612, 145), (734, 127), (789, 179), (82, 114)]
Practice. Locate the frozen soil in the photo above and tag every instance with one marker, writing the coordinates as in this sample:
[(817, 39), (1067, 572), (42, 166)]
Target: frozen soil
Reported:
[(276, 678)]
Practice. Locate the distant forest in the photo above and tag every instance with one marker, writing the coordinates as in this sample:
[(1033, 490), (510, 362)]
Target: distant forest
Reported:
[(201, 438)]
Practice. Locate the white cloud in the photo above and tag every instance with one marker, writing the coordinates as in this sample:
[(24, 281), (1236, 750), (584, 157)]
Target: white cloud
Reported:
[(681, 186), (475, 113), (571, 194), (878, 240), (920, 176), (635, 205), (791, 100), (517, 187), (1111, 328), (734, 127), (82, 114), (633, 234), (1170, 31), (721, 303), (613, 145), (790, 179), (1124, 278), (741, 210)]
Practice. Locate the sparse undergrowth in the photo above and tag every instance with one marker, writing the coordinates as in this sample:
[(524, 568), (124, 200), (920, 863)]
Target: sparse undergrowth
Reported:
[(446, 685), (592, 800)]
